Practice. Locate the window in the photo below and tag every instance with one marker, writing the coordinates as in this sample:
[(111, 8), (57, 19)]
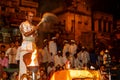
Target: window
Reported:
[(73, 26), (104, 26), (99, 25), (109, 26)]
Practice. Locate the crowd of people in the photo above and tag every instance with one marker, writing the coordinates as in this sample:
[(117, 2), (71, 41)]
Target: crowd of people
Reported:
[(8, 59), (53, 58)]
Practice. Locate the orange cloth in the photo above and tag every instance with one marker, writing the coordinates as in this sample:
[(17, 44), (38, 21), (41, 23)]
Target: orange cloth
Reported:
[(61, 75), (72, 74)]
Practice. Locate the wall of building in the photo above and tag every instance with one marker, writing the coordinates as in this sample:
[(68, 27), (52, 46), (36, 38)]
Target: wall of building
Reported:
[(83, 24), (106, 20), (118, 23), (77, 20), (103, 27)]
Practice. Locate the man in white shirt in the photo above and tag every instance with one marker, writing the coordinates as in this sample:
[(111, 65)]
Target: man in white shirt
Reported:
[(11, 54), (72, 51), (53, 47), (58, 59), (29, 34), (66, 47), (84, 57), (73, 48), (45, 52)]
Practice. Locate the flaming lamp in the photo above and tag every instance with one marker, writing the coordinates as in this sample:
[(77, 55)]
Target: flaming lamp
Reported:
[(33, 66)]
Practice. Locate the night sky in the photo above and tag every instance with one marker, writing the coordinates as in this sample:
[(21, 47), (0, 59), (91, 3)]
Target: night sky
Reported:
[(108, 6)]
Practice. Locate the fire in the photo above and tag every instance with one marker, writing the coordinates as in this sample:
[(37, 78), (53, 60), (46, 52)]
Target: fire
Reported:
[(34, 61)]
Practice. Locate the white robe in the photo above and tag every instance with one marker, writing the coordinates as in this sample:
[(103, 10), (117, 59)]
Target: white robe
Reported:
[(66, 48), (27, 45), (53, 47), (73, 49), (11, 53), (84, 57)]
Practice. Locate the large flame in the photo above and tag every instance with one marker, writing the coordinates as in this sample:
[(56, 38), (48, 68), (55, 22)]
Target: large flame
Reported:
[(34, 61)]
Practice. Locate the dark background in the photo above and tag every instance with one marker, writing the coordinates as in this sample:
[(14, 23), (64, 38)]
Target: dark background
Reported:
[(108, 6)]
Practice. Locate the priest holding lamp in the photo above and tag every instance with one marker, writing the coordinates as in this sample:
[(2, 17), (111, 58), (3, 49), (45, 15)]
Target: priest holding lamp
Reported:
[(29, 34)]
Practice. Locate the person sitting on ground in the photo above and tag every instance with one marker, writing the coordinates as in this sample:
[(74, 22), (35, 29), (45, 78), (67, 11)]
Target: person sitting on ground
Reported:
[(50, 68)]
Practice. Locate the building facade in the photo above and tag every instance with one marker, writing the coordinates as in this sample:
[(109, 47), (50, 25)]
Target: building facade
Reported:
[(84, 25)]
